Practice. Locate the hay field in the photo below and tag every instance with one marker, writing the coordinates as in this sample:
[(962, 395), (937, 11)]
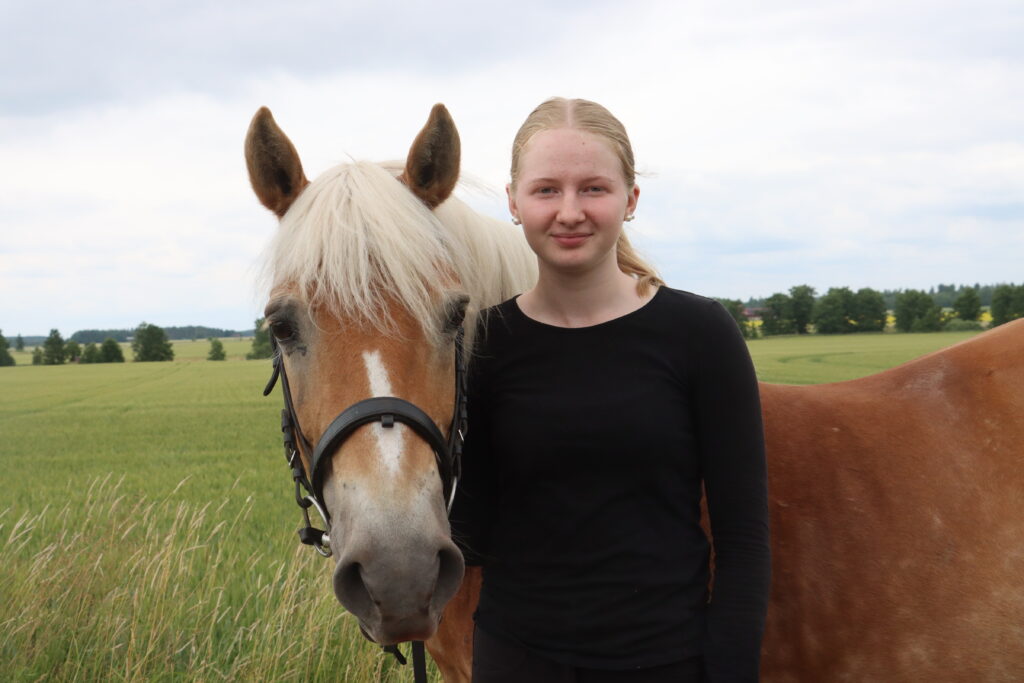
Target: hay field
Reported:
[(147, 530)]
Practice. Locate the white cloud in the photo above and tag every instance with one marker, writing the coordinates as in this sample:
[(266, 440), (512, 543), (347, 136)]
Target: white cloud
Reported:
[(876, 144)]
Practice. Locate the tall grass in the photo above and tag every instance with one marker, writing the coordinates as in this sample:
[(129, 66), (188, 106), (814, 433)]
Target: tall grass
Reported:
[(118, 587)]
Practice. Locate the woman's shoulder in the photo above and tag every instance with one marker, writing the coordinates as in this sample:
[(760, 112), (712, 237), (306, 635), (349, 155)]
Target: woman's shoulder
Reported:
[(495, 323), (497, 315), (681, 302)]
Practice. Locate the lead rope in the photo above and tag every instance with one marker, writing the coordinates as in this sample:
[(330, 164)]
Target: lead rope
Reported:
[(419, 659), (419, 662)]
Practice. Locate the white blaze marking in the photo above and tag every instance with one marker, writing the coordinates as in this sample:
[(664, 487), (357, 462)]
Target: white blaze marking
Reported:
[(390, 440)]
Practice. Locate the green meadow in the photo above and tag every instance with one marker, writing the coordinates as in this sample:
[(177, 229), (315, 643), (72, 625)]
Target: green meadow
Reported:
[(147, 528), (814, 359)]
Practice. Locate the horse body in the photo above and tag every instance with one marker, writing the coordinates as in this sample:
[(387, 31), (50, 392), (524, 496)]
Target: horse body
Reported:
[(897, 525)]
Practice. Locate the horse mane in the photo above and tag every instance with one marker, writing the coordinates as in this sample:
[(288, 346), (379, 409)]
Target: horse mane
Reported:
[(357, 241)]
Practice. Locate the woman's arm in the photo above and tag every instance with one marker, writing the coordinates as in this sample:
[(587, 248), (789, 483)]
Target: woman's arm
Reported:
[(731, 441)]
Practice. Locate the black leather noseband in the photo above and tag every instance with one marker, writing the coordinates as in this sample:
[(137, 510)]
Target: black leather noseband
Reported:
[(387, 410)]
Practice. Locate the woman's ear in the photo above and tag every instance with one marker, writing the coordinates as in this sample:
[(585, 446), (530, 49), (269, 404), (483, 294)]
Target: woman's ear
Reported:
[(631, 201), (511, 201)]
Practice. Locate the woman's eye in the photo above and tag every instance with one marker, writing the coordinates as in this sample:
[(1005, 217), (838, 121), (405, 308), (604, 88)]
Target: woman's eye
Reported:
[(282, 330), (594, 189)]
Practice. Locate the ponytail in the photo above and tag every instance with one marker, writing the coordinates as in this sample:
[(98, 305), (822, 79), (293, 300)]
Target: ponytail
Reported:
[(631, 264)]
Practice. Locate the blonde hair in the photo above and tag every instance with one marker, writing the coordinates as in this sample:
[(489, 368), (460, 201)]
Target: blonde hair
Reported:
[(591, 117)]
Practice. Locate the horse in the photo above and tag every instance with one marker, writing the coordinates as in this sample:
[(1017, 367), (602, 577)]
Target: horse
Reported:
[(895, 499), (373, 273)]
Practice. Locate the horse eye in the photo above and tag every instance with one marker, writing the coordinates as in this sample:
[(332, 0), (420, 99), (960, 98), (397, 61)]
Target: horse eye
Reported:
[(456, 311), (282, 330)]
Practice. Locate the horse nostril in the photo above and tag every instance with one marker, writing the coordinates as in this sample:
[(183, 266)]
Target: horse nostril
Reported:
[(451, 567), (350, 588)]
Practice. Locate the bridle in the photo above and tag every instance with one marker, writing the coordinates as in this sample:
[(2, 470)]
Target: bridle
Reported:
[(384, 409)]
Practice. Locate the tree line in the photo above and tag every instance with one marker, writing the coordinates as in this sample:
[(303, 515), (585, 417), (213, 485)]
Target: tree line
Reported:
[(192, 332), (839, 311), (148, 343), (843, 311), (942, 294)]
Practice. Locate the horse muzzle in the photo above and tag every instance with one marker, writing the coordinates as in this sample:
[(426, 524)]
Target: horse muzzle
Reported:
[(398, 594)]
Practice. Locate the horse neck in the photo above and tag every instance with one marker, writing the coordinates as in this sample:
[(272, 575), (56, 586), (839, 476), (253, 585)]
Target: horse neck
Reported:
[(493, 261)]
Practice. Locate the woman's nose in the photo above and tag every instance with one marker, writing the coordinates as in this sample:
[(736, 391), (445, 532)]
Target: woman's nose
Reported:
[(570, 211)]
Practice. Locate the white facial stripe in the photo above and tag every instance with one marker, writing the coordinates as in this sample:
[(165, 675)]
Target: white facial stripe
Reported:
[(390, 440)]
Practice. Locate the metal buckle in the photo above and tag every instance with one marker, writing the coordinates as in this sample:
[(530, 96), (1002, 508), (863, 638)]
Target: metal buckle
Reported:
[(320, 547)]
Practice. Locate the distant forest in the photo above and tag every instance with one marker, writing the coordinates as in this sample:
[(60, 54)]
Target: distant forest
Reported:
[(943, 295), (188, 332)]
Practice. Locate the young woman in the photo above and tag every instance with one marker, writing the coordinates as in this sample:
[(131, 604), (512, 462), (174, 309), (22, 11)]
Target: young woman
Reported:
[(602, 403)]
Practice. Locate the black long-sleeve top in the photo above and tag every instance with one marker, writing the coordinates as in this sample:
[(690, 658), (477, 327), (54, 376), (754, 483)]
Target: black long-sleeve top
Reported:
[(581, 487)]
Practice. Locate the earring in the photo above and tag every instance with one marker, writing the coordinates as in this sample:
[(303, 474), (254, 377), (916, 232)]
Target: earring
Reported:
[(516, 221), (629, 217)]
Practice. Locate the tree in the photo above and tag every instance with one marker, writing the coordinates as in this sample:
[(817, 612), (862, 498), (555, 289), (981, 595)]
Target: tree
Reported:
[(968, 305), (6, 359), (216, 350), (150, 343), (1007, 304), (776, 316), (19, 343), (37, 356), (72, 351), (917, 312), (930, 321), (833, 313), (261, 347), (91, 353), (869, 310), (53, 349), (110, 351), (801, 307)]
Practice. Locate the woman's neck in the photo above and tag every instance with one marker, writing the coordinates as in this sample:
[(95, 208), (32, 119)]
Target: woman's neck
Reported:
[(581, 299)]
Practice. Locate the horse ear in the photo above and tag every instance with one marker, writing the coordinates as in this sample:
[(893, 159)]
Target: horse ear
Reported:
[(432, 167), (274, 167)]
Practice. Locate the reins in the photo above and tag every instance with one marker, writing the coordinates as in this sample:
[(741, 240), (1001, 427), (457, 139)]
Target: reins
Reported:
[(384, 409)]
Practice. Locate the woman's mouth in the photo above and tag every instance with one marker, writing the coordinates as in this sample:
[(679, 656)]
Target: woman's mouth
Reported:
[(573, 239)]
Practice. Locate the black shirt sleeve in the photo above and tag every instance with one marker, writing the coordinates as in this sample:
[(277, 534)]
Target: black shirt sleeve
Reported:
[(731, 451)]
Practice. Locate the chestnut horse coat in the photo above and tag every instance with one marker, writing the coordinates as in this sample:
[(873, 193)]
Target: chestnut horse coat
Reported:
[(897, 512)]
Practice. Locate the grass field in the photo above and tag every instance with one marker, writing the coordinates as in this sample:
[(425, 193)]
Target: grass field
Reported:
[(147, 530), (813, 359)]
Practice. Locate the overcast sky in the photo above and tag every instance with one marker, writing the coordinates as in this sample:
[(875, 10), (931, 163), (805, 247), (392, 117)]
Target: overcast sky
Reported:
[(860, 144)]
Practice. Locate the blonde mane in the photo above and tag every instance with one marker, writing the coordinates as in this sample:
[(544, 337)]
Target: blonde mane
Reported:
[(357, 240)]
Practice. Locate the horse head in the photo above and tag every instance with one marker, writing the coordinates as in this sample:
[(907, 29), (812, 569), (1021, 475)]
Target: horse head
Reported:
[(366, 300)]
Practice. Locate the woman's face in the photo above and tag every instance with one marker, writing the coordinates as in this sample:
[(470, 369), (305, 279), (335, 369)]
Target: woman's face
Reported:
[(571, 197)]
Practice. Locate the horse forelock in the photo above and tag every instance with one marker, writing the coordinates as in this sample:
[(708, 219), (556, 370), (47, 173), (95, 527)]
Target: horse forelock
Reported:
[(357, 239)]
